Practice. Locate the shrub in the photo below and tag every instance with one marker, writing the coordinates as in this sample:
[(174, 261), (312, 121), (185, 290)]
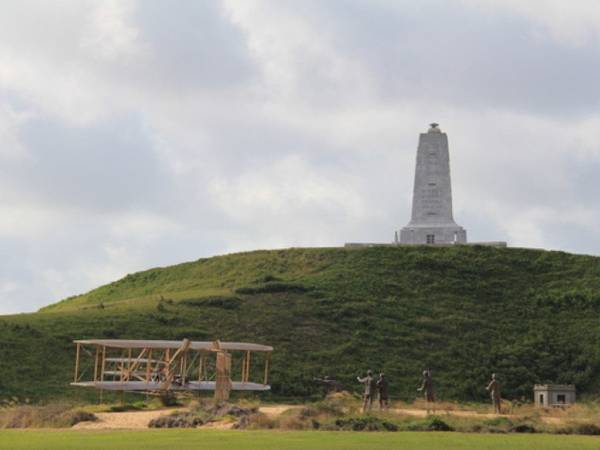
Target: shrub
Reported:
[(523, 428), (56, 415), (213, 302), (366, 423), (82, 416), (582, 428), (432, 423), (272, 288), (176, 420), (437, 424)]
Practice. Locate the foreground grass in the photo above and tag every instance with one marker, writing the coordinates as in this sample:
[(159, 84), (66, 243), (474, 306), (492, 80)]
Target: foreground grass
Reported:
[(259, 440)]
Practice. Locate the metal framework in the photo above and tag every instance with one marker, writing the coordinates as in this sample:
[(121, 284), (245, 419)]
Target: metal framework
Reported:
[(159, 366)]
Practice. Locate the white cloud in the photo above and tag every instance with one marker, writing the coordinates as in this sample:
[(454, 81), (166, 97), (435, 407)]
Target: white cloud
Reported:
[(574, 23), (136, 134)]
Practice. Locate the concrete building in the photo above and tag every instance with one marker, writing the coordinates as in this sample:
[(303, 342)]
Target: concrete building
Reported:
[(432, 221), (546, 395)]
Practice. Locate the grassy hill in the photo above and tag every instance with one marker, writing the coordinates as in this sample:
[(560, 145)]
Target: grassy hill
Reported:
[(531, 316)]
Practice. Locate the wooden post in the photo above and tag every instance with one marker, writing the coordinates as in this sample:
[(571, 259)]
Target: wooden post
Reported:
[(201, 367), (148, 365), (247, 377), (103, 363), (167, 364), (96, 363), (77, 363), (266, 379), (129, 363), (244, 367), (223, 381)]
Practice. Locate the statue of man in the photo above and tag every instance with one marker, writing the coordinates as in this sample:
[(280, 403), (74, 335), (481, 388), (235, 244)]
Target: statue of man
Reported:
[(331, 384), (427, 388), (370, 388), (382, 388), (494, 389)]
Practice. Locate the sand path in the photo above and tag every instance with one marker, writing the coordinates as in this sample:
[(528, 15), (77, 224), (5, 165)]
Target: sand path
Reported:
[(129, 420), (140, 419)]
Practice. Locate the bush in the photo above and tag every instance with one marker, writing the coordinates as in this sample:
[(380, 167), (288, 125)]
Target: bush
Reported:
[(55, 415), (272, 288), (523, 428), (82, 416), (177, 420), (367, 423), (213, 302), (437, 424), (432, 423), (583, 428)]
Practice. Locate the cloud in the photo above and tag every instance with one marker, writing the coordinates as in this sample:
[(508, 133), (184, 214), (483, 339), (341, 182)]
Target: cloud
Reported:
[(135, 134)]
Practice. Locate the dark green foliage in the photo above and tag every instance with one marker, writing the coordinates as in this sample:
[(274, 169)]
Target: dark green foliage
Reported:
[(432, 423), (523, 428), (365, 423), (271, 288), (530, 316), (437, 424), (215, 302)]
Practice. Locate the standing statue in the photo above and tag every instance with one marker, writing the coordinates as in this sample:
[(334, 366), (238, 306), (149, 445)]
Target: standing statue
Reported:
[(382, 388), (370, 388), (494, 389), (331, 384), (427, 388)]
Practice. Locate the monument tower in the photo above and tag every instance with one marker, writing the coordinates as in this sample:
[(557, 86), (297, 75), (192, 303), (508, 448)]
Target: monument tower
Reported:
[(432, 221)]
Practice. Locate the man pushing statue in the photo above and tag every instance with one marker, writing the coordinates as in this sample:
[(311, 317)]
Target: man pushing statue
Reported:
[(370, 389), (494, 389)]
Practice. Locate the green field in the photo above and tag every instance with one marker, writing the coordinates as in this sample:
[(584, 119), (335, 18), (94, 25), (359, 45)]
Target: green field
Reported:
[(529, 315), (268, 440)]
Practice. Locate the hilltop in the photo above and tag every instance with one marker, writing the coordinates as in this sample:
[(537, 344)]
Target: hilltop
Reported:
[(529, 315)]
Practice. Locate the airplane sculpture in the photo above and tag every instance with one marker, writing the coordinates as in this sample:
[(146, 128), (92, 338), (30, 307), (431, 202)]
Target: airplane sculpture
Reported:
[(161, 366)]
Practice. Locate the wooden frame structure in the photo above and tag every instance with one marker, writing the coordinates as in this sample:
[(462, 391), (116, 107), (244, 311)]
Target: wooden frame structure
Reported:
[(150, 366)]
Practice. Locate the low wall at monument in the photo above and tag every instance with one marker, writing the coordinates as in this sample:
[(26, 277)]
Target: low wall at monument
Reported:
[(500, 244)]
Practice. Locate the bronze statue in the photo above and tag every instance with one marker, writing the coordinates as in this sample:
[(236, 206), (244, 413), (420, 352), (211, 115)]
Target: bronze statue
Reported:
[(370, 388), (494, 389), (331, 384), (427, 388), (382, 388)]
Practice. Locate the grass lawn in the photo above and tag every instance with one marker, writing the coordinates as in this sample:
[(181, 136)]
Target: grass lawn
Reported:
[(272, 440)]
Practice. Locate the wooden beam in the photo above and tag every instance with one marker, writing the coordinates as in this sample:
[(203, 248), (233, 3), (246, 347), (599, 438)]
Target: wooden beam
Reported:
[(148, 365), (103, 363), (244, 367), (133, 365), (267, 360), (96, 360), (200, 366), (247, 377), (77, 362), (185, 345)]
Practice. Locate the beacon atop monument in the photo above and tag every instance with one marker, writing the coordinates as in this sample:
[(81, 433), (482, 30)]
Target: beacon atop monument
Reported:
[(432, 221)]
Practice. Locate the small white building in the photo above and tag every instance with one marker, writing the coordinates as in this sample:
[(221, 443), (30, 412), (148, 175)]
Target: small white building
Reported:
[(546, 395)]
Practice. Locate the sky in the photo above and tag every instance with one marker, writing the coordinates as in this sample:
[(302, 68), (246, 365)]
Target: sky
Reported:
[(136, 134)]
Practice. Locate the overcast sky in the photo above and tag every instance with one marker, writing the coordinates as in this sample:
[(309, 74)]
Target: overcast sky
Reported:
[(136, 134)]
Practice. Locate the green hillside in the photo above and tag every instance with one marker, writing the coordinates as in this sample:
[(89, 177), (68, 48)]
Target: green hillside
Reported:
[(531, 316)]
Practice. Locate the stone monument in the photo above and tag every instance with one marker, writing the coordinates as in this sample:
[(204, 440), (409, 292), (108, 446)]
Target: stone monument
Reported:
[(432, 221)]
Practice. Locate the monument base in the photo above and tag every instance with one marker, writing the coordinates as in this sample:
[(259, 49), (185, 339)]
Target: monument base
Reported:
[(451, 234)]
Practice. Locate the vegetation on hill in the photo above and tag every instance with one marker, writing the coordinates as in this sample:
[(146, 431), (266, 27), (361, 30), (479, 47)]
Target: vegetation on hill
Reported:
[(530, 316)]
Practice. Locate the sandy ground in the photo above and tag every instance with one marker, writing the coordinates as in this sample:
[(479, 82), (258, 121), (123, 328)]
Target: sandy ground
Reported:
[(123, 420), (140, 419), (275, 410), (132, 420)]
